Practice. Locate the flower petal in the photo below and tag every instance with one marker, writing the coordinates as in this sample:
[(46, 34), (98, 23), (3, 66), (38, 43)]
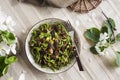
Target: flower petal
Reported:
[(2, 53), (13, 48), (9, 21), (22, 76), (3, 27), (2, 17), (5, 47)]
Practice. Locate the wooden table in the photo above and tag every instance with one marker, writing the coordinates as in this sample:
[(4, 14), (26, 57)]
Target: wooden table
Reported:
[(96, 67)]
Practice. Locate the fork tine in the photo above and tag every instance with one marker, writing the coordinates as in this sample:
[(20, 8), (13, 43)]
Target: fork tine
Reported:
[(69, 26)]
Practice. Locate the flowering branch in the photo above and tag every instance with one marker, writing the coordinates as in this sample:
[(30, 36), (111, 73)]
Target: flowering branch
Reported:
[(104, 38)]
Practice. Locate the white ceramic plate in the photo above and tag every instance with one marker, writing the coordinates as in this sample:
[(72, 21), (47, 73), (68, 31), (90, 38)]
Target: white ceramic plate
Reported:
[(30, 57)]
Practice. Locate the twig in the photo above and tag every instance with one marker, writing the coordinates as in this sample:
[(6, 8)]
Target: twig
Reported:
[(109, 24)]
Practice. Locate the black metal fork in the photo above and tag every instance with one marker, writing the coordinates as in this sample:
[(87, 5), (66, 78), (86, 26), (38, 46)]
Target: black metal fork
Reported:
[(76, 52)]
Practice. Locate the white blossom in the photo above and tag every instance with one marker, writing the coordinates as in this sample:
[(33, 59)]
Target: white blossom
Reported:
[(100, 52), (9, 21), (13, 48), (4, 48), (2, 52), (103, 36), (2, 17), (6, 23), (102, 44), (22, 76), (3, 27)]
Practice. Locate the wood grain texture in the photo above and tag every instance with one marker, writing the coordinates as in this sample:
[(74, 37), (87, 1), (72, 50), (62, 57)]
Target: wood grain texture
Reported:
[(96, 67)]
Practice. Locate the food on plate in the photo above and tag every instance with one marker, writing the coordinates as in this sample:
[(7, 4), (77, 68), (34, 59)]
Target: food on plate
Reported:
[(51, 46)]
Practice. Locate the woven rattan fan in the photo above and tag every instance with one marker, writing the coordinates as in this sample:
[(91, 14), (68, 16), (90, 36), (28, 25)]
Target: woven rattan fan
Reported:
[(84, 6)]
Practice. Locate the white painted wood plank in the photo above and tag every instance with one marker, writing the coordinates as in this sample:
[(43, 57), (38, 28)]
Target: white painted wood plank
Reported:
[(96, 68)]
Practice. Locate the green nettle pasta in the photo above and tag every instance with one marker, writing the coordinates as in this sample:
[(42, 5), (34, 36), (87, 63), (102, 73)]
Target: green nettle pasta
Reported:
[(51, 46)]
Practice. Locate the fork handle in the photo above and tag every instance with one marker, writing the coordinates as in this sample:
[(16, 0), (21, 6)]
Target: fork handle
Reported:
[(78, 60)]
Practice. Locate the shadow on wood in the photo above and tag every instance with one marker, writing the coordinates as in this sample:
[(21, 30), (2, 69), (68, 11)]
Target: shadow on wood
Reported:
[(34, 2)]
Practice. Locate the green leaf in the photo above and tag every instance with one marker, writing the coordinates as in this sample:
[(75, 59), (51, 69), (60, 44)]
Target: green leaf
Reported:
[(5, 70), (93, 50), (104, 29), (2, 64), (5, 63), (112, 23), (118, 58), (109, 30), (10, 38), (1, 74), (118, 37), (109, 25), (10, 60), (11, 78), (1, 38), (92, 34)]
